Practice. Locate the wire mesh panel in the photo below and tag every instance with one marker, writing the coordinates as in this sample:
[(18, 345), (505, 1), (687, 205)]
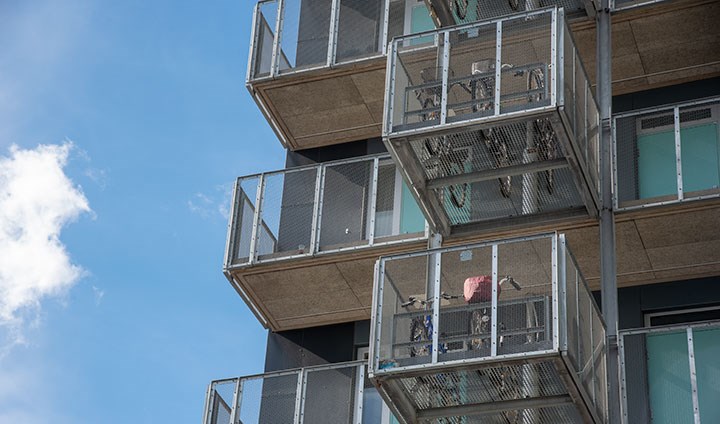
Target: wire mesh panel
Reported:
[(243, 219), (346, 201), (667, 155), (330, 396), (304, 36), (360, 31), (220, 401), (287, 212), (269, 399), (467, 11), (266, 15)]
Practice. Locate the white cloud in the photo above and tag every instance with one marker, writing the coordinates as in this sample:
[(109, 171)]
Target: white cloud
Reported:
[(37, 200), (215, 205)]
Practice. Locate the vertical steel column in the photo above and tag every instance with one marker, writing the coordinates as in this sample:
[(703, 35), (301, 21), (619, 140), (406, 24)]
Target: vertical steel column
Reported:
[(300, 396), (333, 35), (359, 388), (390, 93), (234, 415), (386, 25), (556, 292), (317, 223), (434, 270), (230, 246), (494, 302), (693, 375), (608, 267), (252, 254), (373, 201), (678, 153), (316, 210), (208, 403), (275, 58), (445, 66), (250, 73), (498, 66), (554, 63)]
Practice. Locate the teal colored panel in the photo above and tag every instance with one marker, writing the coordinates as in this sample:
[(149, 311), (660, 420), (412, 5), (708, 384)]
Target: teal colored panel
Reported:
[(700, 157), (411, 219), (656, 164), (420, 21), (394, 420), (707, 367), (669, 379), (470, 16)]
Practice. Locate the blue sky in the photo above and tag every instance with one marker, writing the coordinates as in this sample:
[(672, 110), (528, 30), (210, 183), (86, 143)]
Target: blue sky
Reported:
[(147, 101)]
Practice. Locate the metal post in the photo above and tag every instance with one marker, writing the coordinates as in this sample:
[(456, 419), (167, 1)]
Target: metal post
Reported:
[(317, 224), (360, 387), (498, 66), (207, 414), (386, 25), (234, 413), (373, 201), (316, 209), (333, 36), (693, 375), (607, 219), (230, 246), (678, 153), (493, 309), (275, 58), (434, 270), (300, 396), (445, 66), (254, 239)]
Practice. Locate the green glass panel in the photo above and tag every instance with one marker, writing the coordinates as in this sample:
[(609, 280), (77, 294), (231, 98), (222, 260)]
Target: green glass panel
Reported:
[(707, 367), (700, 157), (421, 21), (669, 379), (411, 219), (656, 165)]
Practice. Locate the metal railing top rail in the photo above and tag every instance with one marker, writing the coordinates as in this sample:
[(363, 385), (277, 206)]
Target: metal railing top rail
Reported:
[(290, 371), (317, 165), (665, 107), (668, 328)]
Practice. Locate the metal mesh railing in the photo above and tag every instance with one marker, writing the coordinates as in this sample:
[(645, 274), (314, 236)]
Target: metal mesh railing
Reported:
[(509, 313), (581, 110), (472, 72), (497, 302), (330, 207), (316, 33), (667, 155), (325, 394), (669, 374), (585, 334)]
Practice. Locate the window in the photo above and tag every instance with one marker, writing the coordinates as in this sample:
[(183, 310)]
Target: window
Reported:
[(656, 152)]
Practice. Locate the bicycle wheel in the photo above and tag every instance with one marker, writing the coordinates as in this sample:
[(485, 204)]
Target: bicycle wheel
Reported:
[(514, 4)]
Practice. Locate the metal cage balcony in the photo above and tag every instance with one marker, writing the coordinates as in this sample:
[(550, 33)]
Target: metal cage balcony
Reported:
[(494, 122), (528, 346), (669, 374), (332, 394), (667, 155), (327, 208)]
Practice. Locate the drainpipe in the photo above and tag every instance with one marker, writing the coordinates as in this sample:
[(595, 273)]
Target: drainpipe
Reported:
[(608, 267)]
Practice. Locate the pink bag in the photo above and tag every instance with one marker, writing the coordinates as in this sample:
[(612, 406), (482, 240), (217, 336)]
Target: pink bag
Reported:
[(479, 289)]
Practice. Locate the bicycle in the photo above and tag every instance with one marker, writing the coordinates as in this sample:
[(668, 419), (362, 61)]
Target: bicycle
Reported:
[(461, 8)]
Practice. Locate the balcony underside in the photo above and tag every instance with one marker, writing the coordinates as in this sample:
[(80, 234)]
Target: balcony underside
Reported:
[(325, 107), (656, 46), (313, 291), (539, 390)]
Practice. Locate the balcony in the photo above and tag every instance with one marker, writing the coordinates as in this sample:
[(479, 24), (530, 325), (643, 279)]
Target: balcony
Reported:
[(668, 155), (494, 123), (301, 50), (529, 347), (332, 394), (669, 374), (303, 241)]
